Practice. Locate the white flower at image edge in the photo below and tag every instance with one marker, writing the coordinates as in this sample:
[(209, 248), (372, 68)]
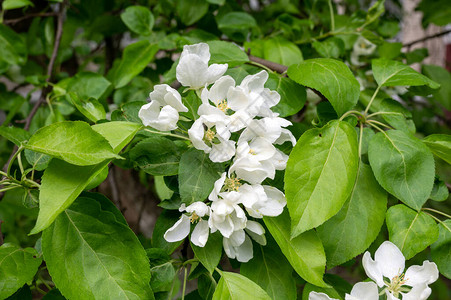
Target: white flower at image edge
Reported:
[(193, 70), (162, 113), (181, 228), (360, 291), (389, 262)]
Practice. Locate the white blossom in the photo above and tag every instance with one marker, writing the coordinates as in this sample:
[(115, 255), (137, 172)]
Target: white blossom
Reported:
[(362, 47), (226, 214), (389, 262), (193, 70), (255, 98), (210, 134), (162, 113), (238, 246), (360, 291), (181, 228), (270, 129)]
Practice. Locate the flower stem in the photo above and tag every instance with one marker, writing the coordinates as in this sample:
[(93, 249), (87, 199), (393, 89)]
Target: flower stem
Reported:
[(379, 123), (384, 113), (372, 99), (437, 212), (332, 19), (360, 139), (8, 170), (438, 220), (184, 283), (351, 112), (168, 134)]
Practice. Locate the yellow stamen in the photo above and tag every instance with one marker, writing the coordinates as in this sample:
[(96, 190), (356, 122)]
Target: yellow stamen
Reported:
[(222, 105)]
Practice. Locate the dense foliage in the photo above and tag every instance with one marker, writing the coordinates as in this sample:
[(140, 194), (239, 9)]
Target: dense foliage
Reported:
[(282, 140)]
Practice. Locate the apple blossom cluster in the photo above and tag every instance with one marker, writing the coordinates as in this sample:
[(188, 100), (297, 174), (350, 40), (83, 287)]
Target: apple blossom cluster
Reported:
[(235, 125), (387, 272)]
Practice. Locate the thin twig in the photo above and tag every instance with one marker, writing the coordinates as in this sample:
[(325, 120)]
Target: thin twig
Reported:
[(423, 39), (59, 32), (45, 91), (114, 189), (13, 21), (269, 64)]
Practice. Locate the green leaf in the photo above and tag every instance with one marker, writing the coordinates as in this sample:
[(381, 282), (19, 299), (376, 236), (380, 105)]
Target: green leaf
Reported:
[(223, 52), (394, 73), (72, 141), (271, 271), (13, 4), (14, 134), (157, 156), (233, 286), (402, 120), (411, 231), (365, 210), (38, 161), (443, 77), (88, 85), (320, 174), (191, 11), (197, 175), (236, 24), (17, 267), (403, 166), (117, 133), (375, 11), (439, 191), (165, 221), (211, 253), (331, 48), (101, 255), (90, 108), (440, 145), (62, 183), (12, 48), (161, 269), (24, 293), (282, 51), (437, 12), (128, 112), (304, 252), (135, 58), (292, 95), (138, 19), (441, 249), (330, 77)]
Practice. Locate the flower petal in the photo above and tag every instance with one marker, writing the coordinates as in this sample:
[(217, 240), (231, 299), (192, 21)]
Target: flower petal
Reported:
[(390, 260), (220, 88), (319, 296), (372, 269), (199, 237), (192, 71), (245, 252), (364, 291), (215, 71), (418, 292), (199, 207), (178, 231), (201, 50), (167, 119), (427, 273)]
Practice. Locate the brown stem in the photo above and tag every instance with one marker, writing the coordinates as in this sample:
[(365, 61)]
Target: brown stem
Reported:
[(45, 91), (13, 21), (449, 186), (114, 190), (408, 45), (269, 64), (58, 34)]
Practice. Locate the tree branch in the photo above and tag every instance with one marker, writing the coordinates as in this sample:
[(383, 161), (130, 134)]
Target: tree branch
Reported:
[(423, 39), (13, 21), (46, 90), (269, 64)]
